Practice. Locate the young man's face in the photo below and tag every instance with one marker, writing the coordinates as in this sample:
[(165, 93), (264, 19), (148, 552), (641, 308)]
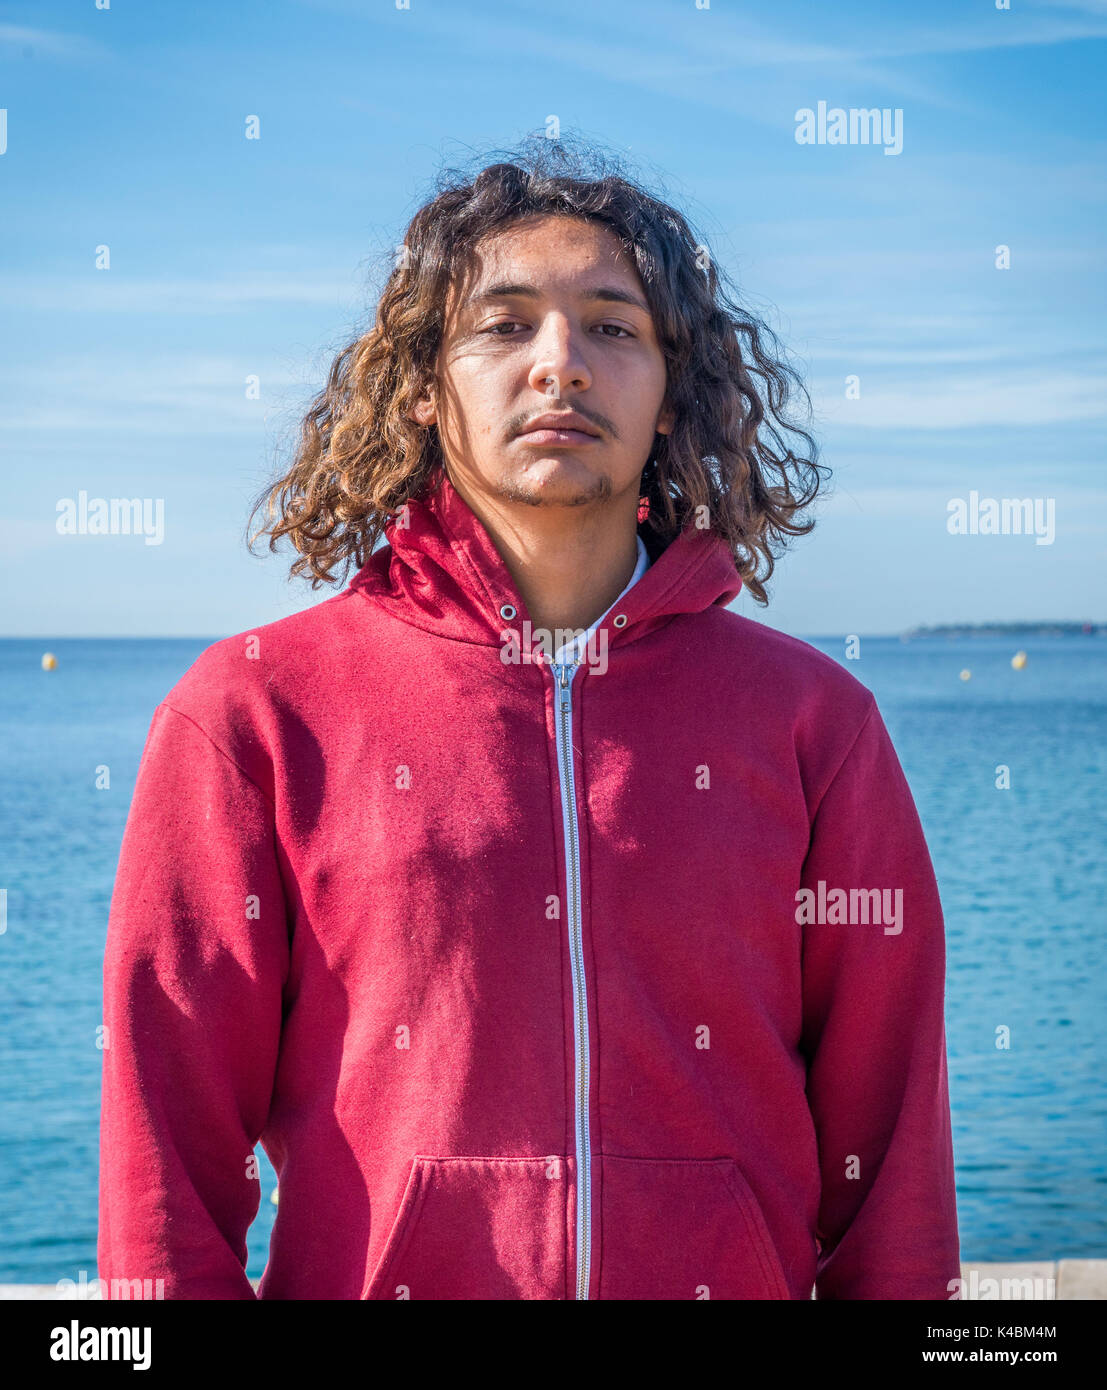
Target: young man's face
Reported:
[(556, 321)]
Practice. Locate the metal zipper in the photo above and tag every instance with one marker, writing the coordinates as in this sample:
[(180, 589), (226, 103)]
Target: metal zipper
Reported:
[(563, 679)]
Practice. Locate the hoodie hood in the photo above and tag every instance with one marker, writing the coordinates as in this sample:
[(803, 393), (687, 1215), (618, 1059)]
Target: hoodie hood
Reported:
[(441, 572)]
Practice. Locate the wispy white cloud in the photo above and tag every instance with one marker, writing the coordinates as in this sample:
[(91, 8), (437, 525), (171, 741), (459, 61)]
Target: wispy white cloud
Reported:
[(868, 353), (696, 53), (173, 395), (735, 40), (114, 292), (1096, 7), (868, 268), (47, 43), (981, 36), (966, 400), (695, 46), (1081, 509)]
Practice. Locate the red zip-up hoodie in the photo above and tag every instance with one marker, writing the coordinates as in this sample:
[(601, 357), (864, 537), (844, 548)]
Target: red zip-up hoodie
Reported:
[(623, 980)]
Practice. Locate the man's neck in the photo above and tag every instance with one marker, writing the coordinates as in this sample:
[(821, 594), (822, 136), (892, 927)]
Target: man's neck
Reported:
[(569, 564)]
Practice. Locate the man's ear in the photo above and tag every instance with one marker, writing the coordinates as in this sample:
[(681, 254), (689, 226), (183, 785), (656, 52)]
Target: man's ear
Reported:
[(425, 412)]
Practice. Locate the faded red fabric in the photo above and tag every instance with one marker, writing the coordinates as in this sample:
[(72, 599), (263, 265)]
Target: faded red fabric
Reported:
[(341, 926)]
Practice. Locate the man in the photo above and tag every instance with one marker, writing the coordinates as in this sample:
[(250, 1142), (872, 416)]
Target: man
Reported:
[(558, 932)]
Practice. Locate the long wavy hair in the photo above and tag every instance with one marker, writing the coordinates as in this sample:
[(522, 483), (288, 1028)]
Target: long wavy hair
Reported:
[(733, 446)]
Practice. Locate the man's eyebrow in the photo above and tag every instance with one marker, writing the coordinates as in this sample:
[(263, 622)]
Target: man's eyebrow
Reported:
[(609, 293)]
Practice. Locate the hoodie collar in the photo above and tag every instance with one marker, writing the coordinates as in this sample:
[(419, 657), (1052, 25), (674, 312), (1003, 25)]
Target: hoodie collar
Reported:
[(442, 572)]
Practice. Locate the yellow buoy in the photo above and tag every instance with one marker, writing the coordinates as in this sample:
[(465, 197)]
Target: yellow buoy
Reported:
[(966, 674), (1018, 661), (49, 661)]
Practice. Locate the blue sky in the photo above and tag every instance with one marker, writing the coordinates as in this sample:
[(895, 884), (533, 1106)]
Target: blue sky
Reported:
[(125, 127)]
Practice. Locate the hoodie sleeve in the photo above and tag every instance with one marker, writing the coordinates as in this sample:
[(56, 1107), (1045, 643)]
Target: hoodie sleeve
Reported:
[(194, 968), (874, 1037)]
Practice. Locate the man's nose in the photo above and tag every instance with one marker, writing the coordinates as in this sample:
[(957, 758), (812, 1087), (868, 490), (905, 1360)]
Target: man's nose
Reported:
[(559, 361)]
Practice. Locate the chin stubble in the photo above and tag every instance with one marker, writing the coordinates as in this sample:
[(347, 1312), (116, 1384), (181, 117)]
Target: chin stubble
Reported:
[(513, 490)]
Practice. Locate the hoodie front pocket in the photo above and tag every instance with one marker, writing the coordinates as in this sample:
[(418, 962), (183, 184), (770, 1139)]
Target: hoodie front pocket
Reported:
[(477, 1228), (684, 1228)]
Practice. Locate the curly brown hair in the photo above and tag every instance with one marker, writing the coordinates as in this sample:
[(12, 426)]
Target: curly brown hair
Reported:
[(360, 456)]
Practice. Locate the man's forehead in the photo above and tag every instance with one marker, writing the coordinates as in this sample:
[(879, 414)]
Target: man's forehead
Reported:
[(590, 283), (590, 263)]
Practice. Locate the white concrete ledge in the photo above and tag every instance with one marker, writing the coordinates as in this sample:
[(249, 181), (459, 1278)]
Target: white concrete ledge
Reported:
[(1031, 1279)]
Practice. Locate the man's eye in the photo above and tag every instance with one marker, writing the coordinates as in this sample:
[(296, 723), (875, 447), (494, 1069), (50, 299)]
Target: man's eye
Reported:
[(494, 328)]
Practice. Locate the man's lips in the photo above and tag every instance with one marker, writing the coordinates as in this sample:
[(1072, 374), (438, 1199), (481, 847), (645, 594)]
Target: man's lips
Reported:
[(559, 427), (546, 435)]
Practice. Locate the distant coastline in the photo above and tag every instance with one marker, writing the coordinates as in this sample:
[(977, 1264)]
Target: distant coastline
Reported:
[(1022, 629)]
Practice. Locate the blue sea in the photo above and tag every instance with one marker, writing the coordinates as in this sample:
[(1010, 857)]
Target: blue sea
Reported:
[(1021, 872)]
